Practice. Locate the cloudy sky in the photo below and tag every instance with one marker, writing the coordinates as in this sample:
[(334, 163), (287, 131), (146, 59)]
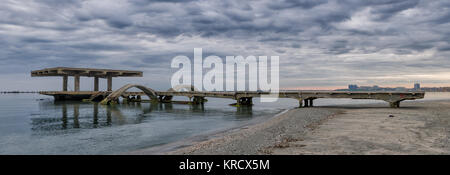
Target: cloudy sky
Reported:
[(321, 43)]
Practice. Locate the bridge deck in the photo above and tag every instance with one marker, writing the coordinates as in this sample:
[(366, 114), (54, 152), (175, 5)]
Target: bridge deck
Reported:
[(302, 94), (394, 98), (282, 94)]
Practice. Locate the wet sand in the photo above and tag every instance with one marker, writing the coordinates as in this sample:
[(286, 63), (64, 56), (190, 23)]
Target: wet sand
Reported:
[(417, 128), (421, 127)]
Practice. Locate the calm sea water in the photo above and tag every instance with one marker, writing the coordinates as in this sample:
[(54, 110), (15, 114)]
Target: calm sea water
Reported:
[(35, 124)]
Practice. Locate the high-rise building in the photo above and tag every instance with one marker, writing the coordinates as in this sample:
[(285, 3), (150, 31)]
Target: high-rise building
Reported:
[(417, 86), (352, 87)]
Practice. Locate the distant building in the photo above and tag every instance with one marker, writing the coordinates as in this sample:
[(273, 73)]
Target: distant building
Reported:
[(417, 86), (400, 89), (365, 88), (352, 87)]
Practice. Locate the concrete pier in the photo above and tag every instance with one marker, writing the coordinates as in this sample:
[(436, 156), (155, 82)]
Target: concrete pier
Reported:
[(308, 103), (65, 81), (76, 84), (305, 98), (109, 77), (76, 73), (96, 81)]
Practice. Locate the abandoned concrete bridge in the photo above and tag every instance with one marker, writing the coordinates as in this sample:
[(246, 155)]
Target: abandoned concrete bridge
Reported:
[(305, 98)]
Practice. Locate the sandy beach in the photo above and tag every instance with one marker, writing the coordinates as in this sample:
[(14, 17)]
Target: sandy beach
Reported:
[(418, 127)]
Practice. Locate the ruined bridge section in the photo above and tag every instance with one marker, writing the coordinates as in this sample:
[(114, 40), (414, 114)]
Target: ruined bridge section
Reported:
[(305, 98), (114, 96), (76, 73)]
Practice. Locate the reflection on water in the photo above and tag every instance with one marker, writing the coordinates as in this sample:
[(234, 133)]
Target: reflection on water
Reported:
[(76, 115), (35, 124)]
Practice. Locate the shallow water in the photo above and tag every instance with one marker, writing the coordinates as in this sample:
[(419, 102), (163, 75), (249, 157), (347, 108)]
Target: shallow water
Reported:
[(35, 124)]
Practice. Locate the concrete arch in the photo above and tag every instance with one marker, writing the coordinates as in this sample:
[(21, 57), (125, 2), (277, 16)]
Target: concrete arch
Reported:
[(114, 96)]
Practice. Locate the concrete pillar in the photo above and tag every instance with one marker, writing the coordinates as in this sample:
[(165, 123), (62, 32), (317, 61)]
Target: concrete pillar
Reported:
[(394, 104), (167, 99), (249, 101), (300, 103), (198, 100), (109, 82), (65, 80), (306, 103), (95, 83), (311, 102), (76, 79)]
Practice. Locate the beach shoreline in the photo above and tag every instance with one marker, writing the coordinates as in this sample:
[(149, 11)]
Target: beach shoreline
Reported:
[(194, 143), (418, 127)]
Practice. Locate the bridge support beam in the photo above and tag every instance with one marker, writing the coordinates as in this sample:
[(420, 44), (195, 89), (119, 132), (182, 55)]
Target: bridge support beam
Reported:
[(198, 100), (247, 101), (165, 99), (76, 79), (95, 83), (131, 98), (65, 80), (308, 102), (109, 77), (394, 104), (300, 103)]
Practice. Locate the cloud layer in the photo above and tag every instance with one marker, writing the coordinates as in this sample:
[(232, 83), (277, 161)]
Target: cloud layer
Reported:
[(320, 42)]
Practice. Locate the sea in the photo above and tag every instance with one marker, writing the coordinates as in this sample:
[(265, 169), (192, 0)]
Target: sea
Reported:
[(36, 124)]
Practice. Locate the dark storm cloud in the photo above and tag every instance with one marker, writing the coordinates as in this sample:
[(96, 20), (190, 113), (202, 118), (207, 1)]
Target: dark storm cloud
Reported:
[(329, 38), (387, 10), (284, 4), (98, 46), (36, 40)]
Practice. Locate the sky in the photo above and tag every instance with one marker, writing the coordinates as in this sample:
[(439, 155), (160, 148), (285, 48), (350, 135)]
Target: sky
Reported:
[(322, 44)]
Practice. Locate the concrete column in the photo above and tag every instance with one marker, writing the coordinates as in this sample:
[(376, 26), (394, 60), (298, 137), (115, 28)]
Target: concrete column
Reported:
[(311, 103), (306, 103), (95, 83), (198, 100), (394, 104), (300, 103), (109, 82), (248, 101), (76, 79), (65, 80)]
